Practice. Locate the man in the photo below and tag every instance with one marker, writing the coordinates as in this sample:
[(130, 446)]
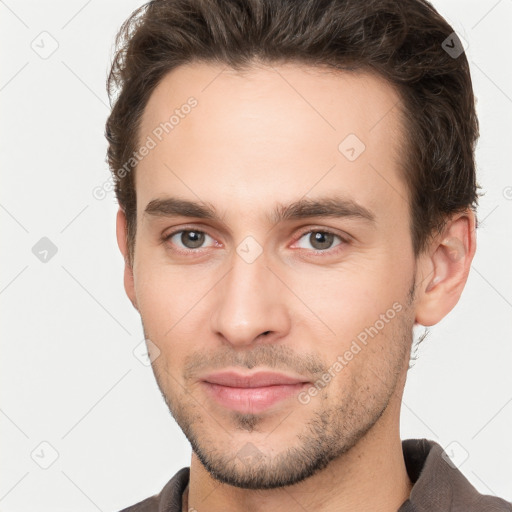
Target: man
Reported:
[(297, 190)]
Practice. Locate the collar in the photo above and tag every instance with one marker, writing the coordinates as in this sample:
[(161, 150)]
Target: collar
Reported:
[(439, 485)]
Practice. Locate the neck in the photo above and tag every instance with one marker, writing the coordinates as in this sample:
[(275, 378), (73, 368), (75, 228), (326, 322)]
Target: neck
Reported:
[(370, 476)]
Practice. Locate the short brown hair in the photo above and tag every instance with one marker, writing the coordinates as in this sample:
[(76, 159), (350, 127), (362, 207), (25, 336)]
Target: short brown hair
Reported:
[(404, 41)]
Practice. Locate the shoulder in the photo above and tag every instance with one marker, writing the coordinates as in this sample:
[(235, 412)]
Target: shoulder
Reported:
[(148, 505), (438, 483)]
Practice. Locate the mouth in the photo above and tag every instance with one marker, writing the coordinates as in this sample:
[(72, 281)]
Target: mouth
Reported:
[(251, 393)]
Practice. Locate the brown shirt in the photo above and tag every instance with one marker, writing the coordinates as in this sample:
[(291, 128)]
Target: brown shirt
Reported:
[(438, 486)]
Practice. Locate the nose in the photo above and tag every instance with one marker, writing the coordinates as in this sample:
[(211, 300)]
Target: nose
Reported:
[(250, 304)]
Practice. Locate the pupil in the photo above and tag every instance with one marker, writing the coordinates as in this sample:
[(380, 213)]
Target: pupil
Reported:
[(322, 240), (192, 239)]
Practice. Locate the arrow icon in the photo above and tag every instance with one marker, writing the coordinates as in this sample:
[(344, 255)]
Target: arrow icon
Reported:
[(454, 45), (249, 252), (351, 147), (44, 250), (44, 455), (44, 44)]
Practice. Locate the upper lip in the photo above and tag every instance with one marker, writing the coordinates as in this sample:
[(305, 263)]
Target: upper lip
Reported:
[(255, 380)]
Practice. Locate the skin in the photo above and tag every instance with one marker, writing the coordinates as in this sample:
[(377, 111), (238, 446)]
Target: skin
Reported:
[(266, 136)]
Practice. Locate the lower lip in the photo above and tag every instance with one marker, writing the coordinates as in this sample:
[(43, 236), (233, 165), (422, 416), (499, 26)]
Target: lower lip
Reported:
[(252, 400)]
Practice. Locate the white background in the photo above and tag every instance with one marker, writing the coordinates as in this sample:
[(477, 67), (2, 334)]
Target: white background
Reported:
[(68, 373)]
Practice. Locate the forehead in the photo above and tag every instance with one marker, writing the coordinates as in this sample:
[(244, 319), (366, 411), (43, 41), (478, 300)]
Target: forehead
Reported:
[(269, 132)]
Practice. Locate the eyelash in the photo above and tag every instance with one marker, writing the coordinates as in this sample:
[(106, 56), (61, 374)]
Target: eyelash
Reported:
[(317, 252)]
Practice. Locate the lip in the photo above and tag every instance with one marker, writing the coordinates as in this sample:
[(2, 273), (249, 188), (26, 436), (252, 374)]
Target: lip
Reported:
[(255, 380), (251, 393)]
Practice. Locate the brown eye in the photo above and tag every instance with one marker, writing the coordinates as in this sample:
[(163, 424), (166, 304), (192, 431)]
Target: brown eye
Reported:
[(319, 240), (194, 238), (187, 239)]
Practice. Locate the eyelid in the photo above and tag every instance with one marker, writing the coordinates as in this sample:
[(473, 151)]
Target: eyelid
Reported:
[(331, 251), (345, 239), (191, 227), (166, 237), (320, 229)]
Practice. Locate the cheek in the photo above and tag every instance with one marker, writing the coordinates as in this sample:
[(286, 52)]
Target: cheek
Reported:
[(161, 296), (346, 299), (172, 299), (163, 305)]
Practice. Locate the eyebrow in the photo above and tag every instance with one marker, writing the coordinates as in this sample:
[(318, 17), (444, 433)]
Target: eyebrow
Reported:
[(336, 207)]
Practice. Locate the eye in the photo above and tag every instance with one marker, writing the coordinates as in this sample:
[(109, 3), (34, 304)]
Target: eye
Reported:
[(319, 240), (189, 239)]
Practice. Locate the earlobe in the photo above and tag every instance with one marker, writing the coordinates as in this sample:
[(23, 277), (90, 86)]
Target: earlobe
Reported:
[(122, 242), (447, 269)]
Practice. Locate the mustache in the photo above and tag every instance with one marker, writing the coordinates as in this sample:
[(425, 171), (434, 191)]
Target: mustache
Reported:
[(276, 357)]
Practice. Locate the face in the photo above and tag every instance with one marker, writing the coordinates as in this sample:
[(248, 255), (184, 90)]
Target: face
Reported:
[(299, 262)]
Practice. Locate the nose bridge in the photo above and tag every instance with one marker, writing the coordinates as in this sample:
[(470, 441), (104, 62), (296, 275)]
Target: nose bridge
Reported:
[(248, 302)]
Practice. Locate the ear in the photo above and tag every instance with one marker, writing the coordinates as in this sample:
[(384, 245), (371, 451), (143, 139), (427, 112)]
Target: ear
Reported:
[(445, 267), (122, 242)]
